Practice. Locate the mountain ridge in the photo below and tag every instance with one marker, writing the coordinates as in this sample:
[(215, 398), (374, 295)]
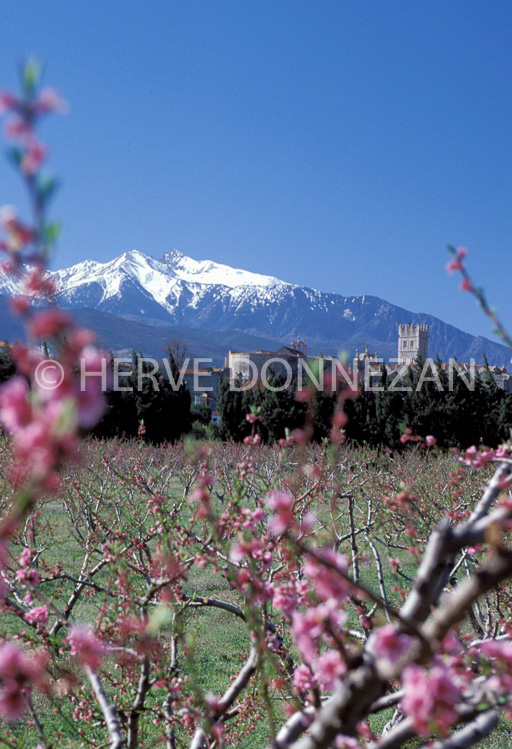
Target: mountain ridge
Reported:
[(176, 290)]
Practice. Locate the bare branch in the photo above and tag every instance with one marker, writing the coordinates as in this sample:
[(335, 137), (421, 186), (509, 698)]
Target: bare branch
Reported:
[(496, 569), (353, 544), (109, 712), (498, 482), (433, 572), (380, 574), (293, 728), (138, 705), (240, 682), (468, 736)]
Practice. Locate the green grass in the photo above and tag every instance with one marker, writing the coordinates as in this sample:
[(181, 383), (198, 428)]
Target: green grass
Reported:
[(217, 640)]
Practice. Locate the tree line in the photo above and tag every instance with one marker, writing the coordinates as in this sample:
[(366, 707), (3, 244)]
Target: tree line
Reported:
[(456, 415)]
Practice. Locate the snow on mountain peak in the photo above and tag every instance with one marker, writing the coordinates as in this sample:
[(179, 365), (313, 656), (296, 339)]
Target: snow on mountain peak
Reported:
[(210, 273), (173, 278), (171, 257)]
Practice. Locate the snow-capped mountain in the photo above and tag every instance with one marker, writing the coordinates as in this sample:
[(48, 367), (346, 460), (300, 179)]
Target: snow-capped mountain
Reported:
[(203, 295), (177, 289), (172, 289)]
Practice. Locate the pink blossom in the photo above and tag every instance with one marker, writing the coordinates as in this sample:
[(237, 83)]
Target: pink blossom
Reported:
[(282, 506), (49, 101), (466, 285), (285, 598), (309, 626), (388, 644), (88, 392), (236, 553), (13, 661), (303, 679), (430, 440), (215, 703), (12, 700), (346, 742), (18, 234), (86, 645), (328, 583), (298, 436), (17, 128), (30, 576), (19, 305), (430, 699), (35, 282), (339, 419), (329, 666), (306, 628), (15, 410), (33, 157), (304, 394), (37, 615), (49, 323), (25, 557), (90, 404), (8, 101), (335, 435), (502, 651), (453, 265), (52, 386), (17, 673), (81, 338), (260, 591)]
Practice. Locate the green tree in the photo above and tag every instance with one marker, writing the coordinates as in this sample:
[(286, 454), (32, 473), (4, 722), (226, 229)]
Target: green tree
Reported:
[(280, 410)]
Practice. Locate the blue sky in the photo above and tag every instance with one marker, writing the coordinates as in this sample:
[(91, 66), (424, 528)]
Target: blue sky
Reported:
[(333, 144)]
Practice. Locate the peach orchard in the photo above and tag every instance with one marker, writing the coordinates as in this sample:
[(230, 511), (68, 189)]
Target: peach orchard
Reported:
[(208, 595)]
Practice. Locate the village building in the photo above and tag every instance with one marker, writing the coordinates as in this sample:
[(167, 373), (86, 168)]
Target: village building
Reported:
[(412, 342), (364, 360), (203, 386), (258, 366)]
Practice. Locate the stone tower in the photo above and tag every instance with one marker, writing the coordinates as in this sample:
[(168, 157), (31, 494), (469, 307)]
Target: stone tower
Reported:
[(412, 342)]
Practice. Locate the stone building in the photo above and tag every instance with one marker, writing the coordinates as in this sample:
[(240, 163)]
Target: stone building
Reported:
[(365, 359), (257, 366), (412, 342)]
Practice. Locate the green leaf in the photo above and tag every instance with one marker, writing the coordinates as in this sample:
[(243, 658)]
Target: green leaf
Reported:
[(50, 232), (24, 500), (67, 420), (30, 77), (46, 186), (158, 619), (15, 156)]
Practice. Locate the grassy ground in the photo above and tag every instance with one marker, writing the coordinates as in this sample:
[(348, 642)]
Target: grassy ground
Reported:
[(219, 638)]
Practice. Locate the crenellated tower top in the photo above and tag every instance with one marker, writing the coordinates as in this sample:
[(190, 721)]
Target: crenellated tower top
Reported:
[(412, 342)]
